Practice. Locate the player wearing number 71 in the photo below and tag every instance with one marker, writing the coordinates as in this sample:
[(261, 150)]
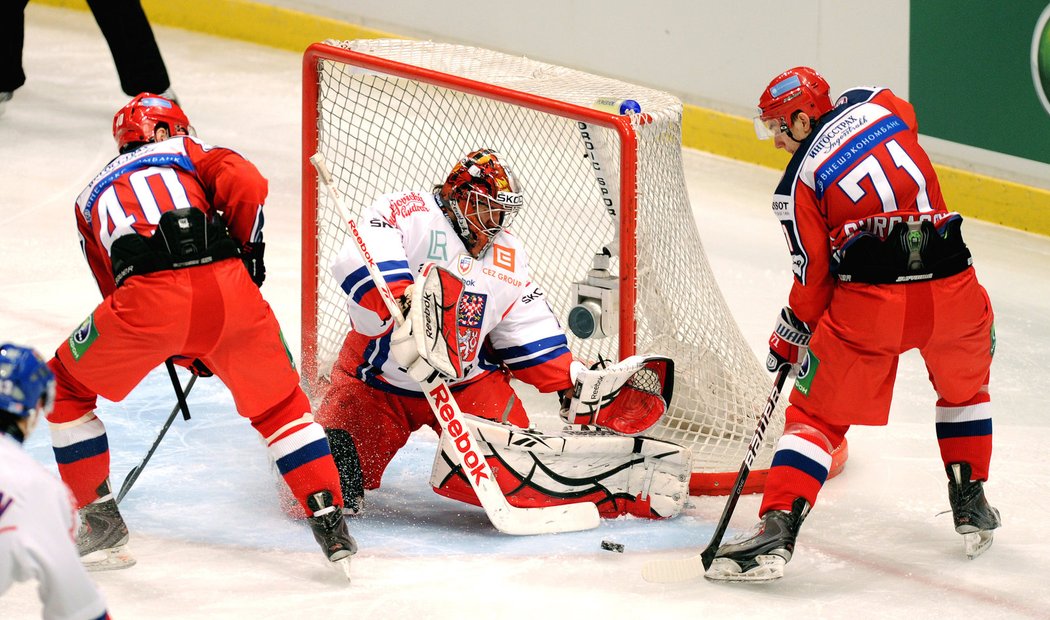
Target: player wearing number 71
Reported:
[(880, 267)]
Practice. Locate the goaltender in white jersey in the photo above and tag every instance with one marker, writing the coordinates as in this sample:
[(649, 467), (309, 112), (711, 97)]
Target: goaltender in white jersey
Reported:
[(408, 230), (450, 249), (37, 519)]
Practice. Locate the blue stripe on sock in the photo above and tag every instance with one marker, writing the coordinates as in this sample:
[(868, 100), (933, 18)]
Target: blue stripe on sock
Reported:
[(310, 452), (82, 450), (801, 462), (972, 428)]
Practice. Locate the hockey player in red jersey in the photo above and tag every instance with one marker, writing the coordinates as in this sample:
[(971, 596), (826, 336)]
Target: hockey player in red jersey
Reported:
[(172, 231), (501, 326), (880, 268)]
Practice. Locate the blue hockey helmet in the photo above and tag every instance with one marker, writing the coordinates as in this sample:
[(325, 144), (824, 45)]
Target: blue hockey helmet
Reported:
[(27, 386)]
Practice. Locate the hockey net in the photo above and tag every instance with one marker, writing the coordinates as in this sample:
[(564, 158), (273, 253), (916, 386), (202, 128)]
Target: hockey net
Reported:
[(392, 115)]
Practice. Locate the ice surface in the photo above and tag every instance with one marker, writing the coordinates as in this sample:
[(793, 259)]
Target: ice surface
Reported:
[(212, 542)]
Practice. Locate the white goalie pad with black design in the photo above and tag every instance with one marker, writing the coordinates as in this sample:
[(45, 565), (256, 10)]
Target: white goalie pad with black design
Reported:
[(641, 476)]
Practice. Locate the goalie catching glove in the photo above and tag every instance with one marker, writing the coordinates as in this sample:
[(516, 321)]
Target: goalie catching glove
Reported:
[(628, 397), (428, 339)]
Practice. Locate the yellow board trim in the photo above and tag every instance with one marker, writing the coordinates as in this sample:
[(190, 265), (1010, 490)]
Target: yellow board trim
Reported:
[(973, 195)]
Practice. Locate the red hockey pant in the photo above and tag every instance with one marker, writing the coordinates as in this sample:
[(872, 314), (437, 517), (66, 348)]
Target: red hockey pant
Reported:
[(211, 312), (380, 422), (848, 378)]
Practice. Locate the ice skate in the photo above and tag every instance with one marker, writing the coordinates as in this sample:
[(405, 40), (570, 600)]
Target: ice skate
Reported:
[(974, 518), (329, 527), (762, 554), (103, 537)]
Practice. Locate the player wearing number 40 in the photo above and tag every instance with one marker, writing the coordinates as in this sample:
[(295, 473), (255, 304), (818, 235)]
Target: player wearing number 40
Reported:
[(172, 232), (880, 267)]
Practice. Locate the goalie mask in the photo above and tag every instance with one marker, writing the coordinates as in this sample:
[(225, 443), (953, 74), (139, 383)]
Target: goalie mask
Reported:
[(796, 90), (137, 122), (480, 198)]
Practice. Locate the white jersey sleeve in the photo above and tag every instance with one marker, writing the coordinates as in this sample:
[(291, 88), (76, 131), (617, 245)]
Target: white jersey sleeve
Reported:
[(382, 228), (532, 343), (37, 524)]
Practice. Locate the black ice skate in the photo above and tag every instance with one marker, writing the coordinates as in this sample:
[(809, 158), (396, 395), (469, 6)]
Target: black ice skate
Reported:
[(975, 519), (329, 527), (761, 556), (102, 537)]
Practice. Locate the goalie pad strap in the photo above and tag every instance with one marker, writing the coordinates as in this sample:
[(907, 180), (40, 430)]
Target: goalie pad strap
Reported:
[(640, 476)]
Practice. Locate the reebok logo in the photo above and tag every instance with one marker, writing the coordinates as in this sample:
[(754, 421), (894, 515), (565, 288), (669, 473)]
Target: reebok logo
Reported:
[(461, 437)]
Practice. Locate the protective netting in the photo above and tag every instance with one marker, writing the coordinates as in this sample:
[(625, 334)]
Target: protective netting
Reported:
[(381, 133)]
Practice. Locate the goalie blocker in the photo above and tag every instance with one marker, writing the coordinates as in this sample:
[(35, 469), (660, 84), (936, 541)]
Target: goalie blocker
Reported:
[(640, 476)]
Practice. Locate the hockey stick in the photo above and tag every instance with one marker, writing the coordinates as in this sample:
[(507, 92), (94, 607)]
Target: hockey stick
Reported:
[(686, 569), (181, 405), (593, 148), (505, 517)]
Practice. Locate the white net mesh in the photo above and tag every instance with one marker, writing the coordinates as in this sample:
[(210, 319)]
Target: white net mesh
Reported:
[(381, 133)]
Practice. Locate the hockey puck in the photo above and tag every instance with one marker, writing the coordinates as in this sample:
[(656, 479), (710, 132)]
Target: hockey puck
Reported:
[(609, 545)]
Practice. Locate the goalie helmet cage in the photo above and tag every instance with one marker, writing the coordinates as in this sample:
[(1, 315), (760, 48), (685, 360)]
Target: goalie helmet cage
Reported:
[(394, 115)]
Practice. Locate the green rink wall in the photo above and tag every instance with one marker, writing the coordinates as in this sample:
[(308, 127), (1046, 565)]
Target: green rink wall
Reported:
[(973, 195)]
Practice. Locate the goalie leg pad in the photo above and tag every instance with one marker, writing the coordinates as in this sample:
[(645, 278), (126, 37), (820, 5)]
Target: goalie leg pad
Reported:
[(351, 478), (639, 476)]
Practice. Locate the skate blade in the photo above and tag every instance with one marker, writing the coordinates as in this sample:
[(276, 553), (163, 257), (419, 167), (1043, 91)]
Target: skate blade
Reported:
[(770, 568), (342, 565), (976, 543), (115, 558)]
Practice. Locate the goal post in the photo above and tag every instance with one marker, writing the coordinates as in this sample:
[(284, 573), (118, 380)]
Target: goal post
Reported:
[(607, 222)]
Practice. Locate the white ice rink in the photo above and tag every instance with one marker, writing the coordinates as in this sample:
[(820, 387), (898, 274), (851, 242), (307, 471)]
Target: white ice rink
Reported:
[(211, 541)]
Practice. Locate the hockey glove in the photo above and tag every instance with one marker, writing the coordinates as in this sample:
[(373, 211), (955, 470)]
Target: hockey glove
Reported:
[(432, 324), (628, 397), (789, 342), (404, 351), (252, 255)]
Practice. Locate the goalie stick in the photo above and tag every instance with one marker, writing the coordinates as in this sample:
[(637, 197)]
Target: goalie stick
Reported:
[(505, 517), (692, 567)]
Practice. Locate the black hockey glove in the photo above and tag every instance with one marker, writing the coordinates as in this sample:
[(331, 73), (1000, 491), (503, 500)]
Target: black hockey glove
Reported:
[(252, 255), (789, 342)]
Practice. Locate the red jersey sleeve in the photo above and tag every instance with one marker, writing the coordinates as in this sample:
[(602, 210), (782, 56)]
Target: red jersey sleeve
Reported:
[(97, 258), (234, 187), (811, 292)]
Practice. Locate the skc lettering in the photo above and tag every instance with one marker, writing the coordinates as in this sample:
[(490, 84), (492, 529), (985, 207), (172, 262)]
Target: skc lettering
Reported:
[(531, 296)]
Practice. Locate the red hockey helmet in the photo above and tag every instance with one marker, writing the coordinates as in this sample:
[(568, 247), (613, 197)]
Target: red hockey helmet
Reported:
[(481, 196), (137, 121), (798, 89)]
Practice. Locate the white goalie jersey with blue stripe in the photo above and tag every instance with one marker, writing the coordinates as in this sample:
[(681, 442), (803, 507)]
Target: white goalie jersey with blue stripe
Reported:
[(500, 306)]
